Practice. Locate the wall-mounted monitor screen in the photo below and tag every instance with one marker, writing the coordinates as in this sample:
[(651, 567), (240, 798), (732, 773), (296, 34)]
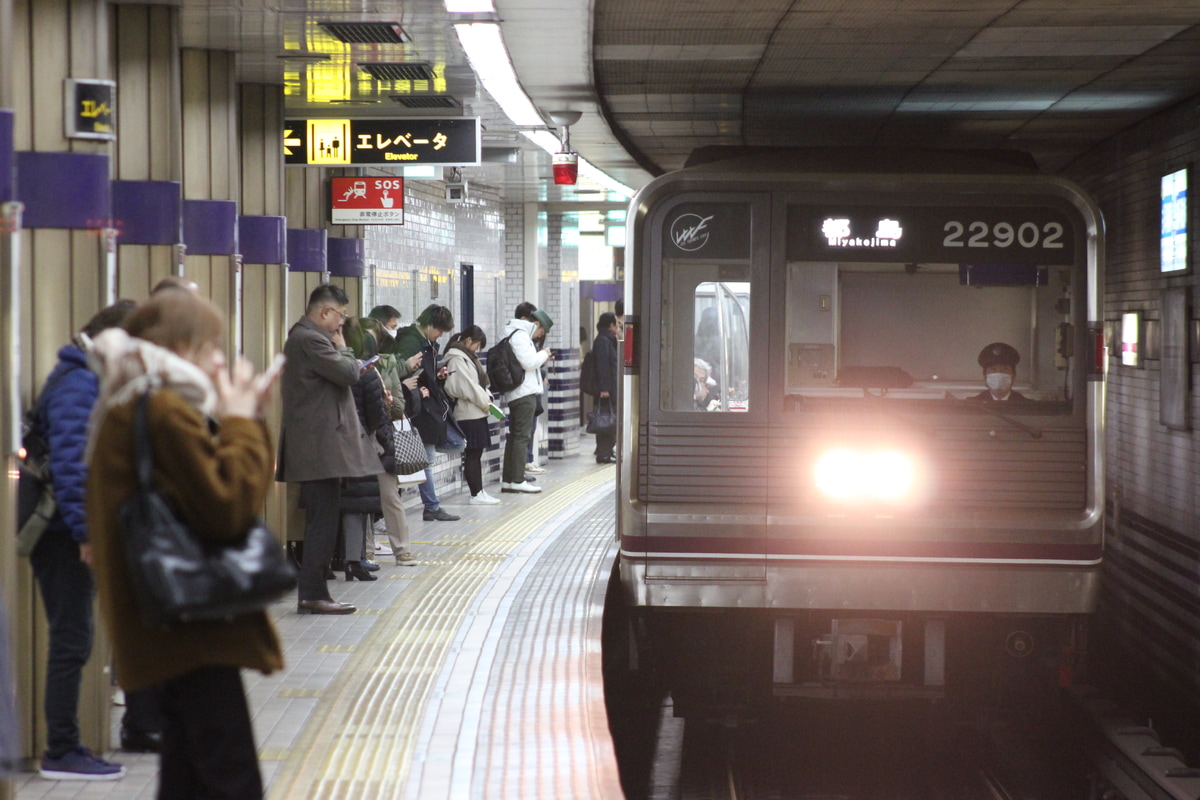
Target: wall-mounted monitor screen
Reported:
[(1174, 222)]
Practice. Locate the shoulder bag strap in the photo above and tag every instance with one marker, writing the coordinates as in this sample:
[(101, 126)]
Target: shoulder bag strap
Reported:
[(143, 455)]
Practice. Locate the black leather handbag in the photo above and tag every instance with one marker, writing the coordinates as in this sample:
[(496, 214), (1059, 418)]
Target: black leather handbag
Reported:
[(179, 577)]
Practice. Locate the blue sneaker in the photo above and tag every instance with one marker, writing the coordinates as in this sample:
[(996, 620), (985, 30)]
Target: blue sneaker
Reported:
[(80, 764)]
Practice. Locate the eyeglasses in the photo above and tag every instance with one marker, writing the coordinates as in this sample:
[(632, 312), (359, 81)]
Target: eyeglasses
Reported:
[(344, 315)]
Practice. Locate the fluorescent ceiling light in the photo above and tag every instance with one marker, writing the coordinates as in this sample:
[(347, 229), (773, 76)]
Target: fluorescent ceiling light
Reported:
[(592, 173), (470, 6), (489, 59)]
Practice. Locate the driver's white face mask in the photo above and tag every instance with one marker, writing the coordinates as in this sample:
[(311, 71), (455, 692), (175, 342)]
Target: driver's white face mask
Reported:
[(999, 383)]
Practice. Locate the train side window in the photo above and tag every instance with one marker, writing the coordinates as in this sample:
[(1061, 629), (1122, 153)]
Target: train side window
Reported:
[(706, 358)]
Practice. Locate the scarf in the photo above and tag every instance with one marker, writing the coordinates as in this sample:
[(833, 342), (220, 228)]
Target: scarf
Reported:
[(129, 367), (481, 374)]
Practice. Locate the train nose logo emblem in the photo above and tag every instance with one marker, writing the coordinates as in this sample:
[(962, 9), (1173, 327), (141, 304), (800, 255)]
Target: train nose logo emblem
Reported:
[(690, 231)]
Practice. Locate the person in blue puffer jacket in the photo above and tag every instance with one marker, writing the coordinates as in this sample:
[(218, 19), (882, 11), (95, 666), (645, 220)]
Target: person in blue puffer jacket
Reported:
[(61, 559)]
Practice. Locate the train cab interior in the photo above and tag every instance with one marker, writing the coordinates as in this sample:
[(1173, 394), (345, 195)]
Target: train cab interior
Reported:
[(905, 331)]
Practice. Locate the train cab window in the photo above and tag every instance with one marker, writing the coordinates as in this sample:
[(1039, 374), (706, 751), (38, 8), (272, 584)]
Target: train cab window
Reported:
[(706, 360), (914, 332)]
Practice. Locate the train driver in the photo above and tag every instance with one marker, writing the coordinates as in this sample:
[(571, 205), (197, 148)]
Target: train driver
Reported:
[(999, 363)]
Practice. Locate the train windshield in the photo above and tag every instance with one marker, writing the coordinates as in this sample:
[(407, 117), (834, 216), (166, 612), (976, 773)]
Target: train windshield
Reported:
[(915, 332), (709, 323)]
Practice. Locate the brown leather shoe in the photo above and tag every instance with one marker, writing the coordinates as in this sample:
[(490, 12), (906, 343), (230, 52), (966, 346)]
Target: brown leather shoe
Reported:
[(324, 607)]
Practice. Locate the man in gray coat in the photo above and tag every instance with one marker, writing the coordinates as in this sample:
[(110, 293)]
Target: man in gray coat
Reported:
[(322, 440)]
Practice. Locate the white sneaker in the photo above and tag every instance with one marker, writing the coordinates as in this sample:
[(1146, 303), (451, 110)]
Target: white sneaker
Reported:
[(482, 499), (534, 469), (523, 486)]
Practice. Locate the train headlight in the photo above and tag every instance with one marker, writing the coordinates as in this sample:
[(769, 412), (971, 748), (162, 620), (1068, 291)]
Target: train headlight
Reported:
[(883, 475)]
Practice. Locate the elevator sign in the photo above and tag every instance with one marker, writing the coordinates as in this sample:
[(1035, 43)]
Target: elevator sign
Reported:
[(398, 142), (366, 201), (91, 109)]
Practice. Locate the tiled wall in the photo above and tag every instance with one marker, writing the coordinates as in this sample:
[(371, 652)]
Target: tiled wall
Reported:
[(1152, 562)]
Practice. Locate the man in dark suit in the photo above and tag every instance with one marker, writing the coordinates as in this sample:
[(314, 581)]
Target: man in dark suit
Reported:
[(605, 359), (321, 440)]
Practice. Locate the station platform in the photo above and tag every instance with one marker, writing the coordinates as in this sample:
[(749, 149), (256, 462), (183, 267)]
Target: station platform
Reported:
[(475, 674)]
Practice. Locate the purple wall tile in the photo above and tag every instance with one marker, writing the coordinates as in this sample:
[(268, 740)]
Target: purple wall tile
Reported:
[(306, 249), (147, 212), (263, 239), (346, 257), (64, 190), (7, 179), (210, 227)]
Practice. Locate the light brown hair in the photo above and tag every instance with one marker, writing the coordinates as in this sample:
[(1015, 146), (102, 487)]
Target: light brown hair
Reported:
[(180, 321)]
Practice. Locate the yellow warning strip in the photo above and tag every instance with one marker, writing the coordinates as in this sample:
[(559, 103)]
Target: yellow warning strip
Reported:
[(359, 740)]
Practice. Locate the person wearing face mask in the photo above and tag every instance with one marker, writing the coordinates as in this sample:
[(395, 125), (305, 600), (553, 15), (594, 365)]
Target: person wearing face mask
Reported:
[(999, 362), (389, 318)]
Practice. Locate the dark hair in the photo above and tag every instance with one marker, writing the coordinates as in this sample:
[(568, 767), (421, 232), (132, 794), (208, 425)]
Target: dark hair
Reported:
[(472, 332), (109, 317), (619, 309), (607, 320), (179, 321), (174, 282), (327, 294), (524, 310), (436, 316), (352, 333), (384, 313)]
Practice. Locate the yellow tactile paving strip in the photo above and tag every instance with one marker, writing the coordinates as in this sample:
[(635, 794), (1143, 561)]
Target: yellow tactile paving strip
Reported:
[(359, 741)]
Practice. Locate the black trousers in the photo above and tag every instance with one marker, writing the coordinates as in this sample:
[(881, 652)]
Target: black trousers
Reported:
[(67, 590), (320, 500), (473, 469), (208, 748)]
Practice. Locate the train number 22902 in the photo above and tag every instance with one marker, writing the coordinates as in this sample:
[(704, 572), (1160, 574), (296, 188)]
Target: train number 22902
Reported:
[(1003, 234)]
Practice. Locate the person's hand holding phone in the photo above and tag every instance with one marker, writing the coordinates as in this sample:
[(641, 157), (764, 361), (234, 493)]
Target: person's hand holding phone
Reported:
[(366, 365)]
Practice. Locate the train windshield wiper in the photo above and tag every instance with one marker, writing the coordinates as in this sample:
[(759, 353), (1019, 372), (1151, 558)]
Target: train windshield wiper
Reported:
[(1033, 432)]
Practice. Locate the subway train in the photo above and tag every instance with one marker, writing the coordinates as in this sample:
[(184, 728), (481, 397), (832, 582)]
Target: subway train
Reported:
[(818, 497)]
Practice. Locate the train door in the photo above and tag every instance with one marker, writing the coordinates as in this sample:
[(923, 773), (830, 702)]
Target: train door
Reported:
[(704, 477)]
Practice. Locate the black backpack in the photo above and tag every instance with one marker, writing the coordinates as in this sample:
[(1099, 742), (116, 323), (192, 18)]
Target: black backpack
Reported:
[(504, 371), (36, 504), (587, 375)]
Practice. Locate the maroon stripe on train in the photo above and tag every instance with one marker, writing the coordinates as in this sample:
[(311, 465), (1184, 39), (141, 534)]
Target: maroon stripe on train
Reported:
[(717, 546)]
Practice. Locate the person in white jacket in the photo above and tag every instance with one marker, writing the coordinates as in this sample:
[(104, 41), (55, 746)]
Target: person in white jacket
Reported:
[(522, 401)]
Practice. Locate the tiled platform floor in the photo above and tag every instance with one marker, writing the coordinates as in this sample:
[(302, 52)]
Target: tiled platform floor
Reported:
[(473, 675)]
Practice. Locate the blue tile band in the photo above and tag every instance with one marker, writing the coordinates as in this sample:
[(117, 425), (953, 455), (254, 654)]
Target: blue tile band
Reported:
[(210, 227), (347, 257), (263, 240), (64, 190), (147, 212), (306, 250)]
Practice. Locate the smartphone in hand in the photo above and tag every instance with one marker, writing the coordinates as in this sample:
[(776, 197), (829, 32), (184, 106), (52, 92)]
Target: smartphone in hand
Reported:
[(363, 366)]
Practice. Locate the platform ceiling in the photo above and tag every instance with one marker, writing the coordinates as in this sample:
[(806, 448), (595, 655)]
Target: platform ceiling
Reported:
[(657, 78)]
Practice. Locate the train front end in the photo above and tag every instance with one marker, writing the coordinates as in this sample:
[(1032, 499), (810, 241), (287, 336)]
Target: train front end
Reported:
[(824, 492)]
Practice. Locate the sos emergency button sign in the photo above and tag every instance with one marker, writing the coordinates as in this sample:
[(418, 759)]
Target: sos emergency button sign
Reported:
[(366, 201)]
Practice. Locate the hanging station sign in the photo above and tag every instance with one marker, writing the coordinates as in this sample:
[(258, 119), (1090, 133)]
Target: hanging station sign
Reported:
[(366, 201), (396, 142)]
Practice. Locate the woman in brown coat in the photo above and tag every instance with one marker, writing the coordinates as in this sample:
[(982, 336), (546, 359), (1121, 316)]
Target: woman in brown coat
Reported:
[(211, 455)]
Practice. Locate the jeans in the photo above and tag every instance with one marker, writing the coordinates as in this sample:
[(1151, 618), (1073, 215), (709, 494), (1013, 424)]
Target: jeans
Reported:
[(67, 589), (521, 414), (428, 489)]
